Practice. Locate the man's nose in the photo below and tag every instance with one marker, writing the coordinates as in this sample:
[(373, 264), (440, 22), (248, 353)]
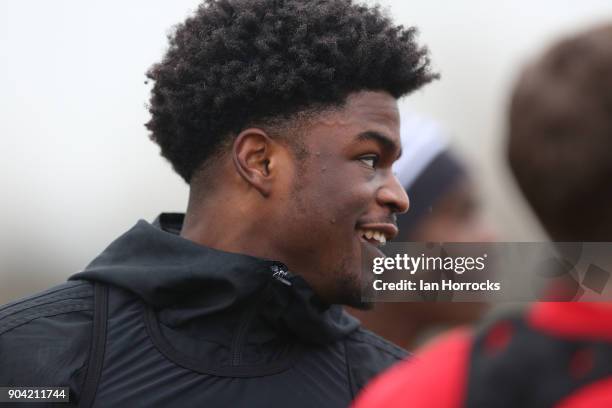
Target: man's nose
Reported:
[(393, 195)]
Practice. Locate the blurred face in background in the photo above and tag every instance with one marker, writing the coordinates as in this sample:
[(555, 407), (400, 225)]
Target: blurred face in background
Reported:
[(455, 217)]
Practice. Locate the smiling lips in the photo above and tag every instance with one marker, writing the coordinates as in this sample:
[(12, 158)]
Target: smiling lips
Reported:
[(378, 233)]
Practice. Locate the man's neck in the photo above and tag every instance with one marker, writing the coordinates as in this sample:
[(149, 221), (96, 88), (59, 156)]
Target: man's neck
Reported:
[(209, 222)]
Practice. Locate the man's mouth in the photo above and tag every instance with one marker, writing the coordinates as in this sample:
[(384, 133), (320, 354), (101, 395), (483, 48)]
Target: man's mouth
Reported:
[(377, 233)]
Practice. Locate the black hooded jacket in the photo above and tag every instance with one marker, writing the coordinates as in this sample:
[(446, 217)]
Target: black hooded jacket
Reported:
[(158, 321)]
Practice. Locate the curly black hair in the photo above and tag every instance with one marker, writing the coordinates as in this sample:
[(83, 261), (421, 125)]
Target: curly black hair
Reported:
[(239, 62)]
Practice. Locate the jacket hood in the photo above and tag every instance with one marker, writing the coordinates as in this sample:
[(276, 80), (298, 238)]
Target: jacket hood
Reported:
[(190, 285)]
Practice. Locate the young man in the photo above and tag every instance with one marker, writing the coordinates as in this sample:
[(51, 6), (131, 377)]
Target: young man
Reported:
[(554, 354), (282, 117)]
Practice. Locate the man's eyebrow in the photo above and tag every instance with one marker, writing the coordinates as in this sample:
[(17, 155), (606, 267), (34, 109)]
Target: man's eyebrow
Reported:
[(386, 143)]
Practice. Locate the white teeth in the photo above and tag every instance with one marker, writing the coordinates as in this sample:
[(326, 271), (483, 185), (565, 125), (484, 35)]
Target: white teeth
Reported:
[(371, 234)]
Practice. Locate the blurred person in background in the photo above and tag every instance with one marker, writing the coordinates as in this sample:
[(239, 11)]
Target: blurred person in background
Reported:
[(444, 207), (553, 354), (282, 117)]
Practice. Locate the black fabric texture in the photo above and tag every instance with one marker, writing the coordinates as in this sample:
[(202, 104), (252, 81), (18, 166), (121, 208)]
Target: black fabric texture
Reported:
[(45, 339), (98, 344)]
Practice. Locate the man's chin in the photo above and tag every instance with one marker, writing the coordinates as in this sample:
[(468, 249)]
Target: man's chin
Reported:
[(355, 291), (353, 279)]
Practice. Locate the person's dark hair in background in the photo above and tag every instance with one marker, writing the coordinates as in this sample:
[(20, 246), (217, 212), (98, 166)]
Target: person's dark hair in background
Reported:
[(282, 117), (554, 354), (444, 207), (561, 135)]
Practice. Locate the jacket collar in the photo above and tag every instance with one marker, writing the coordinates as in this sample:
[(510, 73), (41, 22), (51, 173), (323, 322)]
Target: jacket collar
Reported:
[(190, 285)]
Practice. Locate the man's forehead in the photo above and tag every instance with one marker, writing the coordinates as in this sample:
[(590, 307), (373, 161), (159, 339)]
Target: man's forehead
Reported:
[(363, 115), (365, 111), (378, 107)]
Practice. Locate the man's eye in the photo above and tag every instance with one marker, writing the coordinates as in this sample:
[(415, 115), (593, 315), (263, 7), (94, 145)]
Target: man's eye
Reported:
[(369, 160)]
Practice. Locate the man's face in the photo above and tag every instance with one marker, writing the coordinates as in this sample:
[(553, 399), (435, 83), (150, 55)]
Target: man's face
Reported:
[(340, 202)]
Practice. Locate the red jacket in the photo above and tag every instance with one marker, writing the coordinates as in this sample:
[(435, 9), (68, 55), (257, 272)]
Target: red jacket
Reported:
[(552, 355)]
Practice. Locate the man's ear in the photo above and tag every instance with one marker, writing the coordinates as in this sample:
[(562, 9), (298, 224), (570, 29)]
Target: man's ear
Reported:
[(252, 152)]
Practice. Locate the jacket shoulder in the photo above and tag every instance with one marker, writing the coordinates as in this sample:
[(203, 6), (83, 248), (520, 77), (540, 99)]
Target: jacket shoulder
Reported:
[(368, 355), (45, 338)]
